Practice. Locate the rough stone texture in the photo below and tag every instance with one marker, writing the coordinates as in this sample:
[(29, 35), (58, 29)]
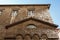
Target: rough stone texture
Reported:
[(22, 28), (20, 31), (22, 13)]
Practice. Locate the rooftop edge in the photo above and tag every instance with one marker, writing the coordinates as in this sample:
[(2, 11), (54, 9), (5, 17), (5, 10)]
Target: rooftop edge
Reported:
[(26, 5)]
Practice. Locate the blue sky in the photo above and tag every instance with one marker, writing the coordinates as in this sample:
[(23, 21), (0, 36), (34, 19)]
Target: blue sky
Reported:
[(54, 8)]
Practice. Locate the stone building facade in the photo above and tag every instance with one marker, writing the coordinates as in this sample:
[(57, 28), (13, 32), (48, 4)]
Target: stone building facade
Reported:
[(26, 22), (58, 32)]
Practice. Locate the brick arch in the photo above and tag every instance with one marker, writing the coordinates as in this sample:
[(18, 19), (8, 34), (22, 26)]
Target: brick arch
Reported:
[(19, 37), (27, 37), (35, 37), (44, 37)]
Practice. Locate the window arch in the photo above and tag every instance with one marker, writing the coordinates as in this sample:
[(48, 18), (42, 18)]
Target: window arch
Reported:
[(35, 37), (27, 37), (19, 37), (31, 26), (44, 37)]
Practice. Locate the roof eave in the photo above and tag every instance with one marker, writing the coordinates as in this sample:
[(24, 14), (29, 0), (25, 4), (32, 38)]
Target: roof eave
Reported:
[(10, 25), (26, 5)]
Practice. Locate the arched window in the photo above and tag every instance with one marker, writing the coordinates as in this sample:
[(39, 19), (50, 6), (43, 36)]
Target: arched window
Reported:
[(35, 37), (27, 37), (31, 26), (44, 37), (19, 37)]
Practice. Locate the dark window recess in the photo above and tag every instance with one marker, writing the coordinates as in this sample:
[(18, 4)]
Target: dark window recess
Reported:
[(10, 39)]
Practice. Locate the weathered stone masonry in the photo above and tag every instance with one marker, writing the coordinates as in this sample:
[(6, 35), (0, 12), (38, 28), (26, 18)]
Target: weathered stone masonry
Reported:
[(26, 22)]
